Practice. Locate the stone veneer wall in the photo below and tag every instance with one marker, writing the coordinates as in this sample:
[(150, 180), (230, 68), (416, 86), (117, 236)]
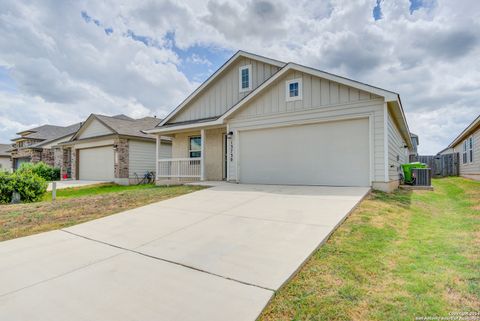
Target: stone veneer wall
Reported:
[(73, 163), (34, 154), (121, 158), (48, 156), (57, 157), (65, 163)]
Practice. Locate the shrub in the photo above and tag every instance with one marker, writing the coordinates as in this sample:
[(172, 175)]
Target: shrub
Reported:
[(29, 185), (41, 169), (6, 187)]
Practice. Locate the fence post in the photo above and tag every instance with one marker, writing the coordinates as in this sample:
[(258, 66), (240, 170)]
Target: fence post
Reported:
[(54, 191)]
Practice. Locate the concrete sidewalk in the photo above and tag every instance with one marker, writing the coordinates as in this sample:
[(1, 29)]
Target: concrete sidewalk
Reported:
[(74, 183), (216, 254)]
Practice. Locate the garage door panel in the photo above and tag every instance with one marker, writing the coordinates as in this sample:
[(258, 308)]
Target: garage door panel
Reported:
[(97, 164), (333, 153)]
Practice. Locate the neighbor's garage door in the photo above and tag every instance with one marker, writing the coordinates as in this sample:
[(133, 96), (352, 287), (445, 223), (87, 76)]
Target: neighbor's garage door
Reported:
[(332, 153), (96, 164)]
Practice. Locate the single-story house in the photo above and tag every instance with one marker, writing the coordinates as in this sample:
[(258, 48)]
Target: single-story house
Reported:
[(5, 161), (467, 144), (40, 144), (260, 120), (113, 148)]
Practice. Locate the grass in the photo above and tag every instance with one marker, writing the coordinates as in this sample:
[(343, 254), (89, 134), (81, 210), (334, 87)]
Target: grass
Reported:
[(397, 257), (96, 190), (78, 205)]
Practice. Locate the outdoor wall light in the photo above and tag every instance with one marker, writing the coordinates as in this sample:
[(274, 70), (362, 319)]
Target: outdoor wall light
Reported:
[(230, 134)]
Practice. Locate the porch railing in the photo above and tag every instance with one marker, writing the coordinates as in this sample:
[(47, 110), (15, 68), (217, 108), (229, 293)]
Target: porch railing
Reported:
[(169, 168)]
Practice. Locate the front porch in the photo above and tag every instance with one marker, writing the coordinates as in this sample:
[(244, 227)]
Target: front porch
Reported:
[(197, 155)]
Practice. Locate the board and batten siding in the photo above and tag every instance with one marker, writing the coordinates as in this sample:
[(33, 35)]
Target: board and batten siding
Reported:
[(472, 168), (323, 100), (141, 157), (95, 128), (214, 158), (223, 92), (397, 154)]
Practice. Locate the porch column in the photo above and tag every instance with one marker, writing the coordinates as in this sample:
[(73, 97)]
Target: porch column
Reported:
[(202, 153)]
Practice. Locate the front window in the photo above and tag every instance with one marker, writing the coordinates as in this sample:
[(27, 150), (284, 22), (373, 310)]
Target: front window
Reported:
[(245, 79), (195, 147), (293, 90), (464, 154)]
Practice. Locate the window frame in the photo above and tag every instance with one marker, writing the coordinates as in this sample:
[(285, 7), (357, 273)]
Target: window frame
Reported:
[(464, 152), (470, 149), (190, 150), (240, 83), (300, 89)]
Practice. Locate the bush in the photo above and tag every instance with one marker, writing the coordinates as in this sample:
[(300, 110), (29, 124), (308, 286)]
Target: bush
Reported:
[(29, 185), (41, 169), (6, 187)]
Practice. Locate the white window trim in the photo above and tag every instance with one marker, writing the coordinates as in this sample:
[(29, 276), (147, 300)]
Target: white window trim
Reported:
[(249, 68), (287, 90)]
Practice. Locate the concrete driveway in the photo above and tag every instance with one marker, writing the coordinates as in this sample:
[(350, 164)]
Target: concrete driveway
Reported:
[(217, 254)]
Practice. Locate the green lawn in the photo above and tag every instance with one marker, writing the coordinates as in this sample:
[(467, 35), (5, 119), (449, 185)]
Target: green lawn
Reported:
[(78, 205), (96, 190), (397, 257)]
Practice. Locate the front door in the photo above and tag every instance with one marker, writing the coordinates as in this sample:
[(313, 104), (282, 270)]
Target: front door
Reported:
[(225, 156)]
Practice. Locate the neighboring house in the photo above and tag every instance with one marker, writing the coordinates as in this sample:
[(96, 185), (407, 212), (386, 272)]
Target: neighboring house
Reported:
[(39, 144), (112, 149), (5, 161), (467, 144), (415, 143), (259, 120), (445, 151)]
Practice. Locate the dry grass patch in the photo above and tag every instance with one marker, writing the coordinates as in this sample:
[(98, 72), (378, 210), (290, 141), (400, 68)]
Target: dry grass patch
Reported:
[(94, 202)]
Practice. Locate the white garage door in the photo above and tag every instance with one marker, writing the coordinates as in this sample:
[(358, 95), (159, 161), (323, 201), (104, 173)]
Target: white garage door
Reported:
[(96, 164), (333, 153)]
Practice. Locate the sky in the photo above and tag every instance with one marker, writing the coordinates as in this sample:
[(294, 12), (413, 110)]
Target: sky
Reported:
[(62, 60)]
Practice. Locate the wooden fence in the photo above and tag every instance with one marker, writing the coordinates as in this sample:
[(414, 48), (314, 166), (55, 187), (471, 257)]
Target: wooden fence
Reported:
[(441, 165)]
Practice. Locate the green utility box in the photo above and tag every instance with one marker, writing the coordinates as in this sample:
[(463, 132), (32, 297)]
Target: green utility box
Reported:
[(407, 170)]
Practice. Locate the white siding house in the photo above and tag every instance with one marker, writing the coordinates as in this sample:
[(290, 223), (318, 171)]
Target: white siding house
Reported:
[(467, 144), (282, 123), (113, 149)]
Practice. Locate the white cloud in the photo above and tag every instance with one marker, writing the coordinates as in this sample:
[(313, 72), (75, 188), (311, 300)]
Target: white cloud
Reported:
[(68, 68)]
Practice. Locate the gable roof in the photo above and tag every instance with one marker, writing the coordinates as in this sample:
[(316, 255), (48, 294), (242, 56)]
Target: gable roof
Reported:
[(122, 125), (467, 131), (5, 149), (390, 96), (47, 133), (210, 79)]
